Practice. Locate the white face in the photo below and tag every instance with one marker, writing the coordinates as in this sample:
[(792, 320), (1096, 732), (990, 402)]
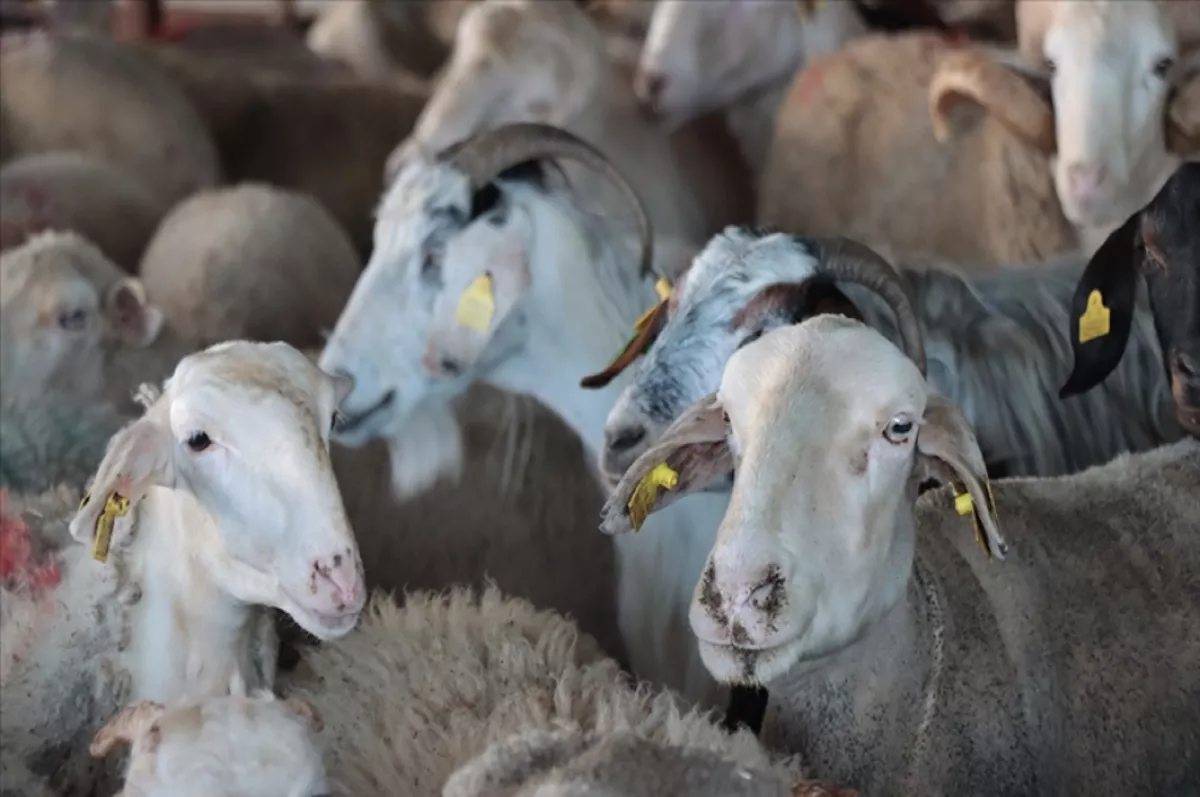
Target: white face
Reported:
[(243, 428), (1112, 65), (399, 337)]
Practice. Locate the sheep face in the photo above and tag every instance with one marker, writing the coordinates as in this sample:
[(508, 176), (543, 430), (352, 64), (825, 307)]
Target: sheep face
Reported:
[(830, 427), (739, 287), (62, 304), (438, 305), (1113, 65), (234, 746), (240, 435), (513, 61)]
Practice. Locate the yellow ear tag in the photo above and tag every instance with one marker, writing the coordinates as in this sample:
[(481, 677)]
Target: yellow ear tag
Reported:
[(646, 492), (476, 305), (663, 289), (640, 324), (964, 504), (1095, 321), (115, 506)]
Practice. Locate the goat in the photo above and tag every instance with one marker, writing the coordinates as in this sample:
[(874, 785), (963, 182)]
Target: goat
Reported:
[(901, 656)]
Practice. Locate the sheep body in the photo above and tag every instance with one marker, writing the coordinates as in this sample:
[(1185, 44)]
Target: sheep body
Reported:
[(79, 92), (68, 190), (58, 439), (418, 690), (250, 261)]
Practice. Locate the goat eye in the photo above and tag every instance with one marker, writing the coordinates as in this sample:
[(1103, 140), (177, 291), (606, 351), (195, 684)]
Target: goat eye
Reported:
[(73, 320), (198, 442), (1163, 67), (898, 431)]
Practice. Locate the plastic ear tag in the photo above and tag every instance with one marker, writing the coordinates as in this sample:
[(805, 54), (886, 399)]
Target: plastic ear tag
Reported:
[(1096, 319), (476, 305), (115, 506), (646, 492), (964, 504), (663, 289)]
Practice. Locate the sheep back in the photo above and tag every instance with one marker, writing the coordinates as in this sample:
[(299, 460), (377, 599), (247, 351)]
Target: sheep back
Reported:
[(80, 92), (250, 261), (72, 191)]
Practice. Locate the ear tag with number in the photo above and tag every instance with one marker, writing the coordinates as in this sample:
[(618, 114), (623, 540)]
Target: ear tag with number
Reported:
[(115, 506), (1096, 319), (964, 504), (476, 305), (646, 493)]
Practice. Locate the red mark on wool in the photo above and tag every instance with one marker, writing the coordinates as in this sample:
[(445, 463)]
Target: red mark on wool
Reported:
[(810, 79), (16, 551)]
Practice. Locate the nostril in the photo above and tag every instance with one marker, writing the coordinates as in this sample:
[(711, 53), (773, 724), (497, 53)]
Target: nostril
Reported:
[(626, 439), (1086, 179)]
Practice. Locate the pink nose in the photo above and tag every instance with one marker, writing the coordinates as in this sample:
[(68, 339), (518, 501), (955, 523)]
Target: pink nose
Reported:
[(335, 579), (1086, 180), (742, 614), (649, 87)]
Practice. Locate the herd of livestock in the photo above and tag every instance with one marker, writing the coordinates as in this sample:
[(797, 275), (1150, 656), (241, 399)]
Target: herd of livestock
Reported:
[(740, 398)]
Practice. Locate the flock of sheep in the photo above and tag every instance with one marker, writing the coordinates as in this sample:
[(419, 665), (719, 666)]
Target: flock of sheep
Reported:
[(838, 304)]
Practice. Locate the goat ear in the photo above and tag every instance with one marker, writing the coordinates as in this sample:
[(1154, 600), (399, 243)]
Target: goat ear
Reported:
[(130, 314), (1102, 309), (1011, 91), (130, 724), (305, 710), (139, 456), (645, 332), (950, 453), (692, 454), (1183, 112)]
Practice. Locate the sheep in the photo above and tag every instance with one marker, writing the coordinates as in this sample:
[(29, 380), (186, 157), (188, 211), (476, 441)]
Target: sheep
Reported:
[(874, 97), (238, 745), (561, 289), (68, 190), (904, 654), (177, 616), (424, 685), (329, 137), (525, 60), (121, 112), (222, 262), (57, 439), (998, 345), (269, 49)]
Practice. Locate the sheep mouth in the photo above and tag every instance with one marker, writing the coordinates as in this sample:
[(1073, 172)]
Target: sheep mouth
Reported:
[(736, 665), (351, 422)]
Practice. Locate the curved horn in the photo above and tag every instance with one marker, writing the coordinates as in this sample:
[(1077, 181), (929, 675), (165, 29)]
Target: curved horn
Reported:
[(844, 259), (975, 77), (484, 156)]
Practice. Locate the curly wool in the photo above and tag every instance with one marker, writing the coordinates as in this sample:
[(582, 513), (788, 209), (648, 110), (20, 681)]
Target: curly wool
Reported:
[(418, 690)]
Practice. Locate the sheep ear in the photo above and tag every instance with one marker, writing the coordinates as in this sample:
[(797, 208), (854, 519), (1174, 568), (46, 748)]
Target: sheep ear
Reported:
[(1011, 91), (950, 452), (138, 457), (1183, 112), (130, 314), (1102, 309), (692, 454), (305, 710), (130, 724)]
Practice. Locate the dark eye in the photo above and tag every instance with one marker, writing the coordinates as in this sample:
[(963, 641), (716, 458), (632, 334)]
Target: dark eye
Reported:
[(725, 417), (1050, 66), (1163, 67), (198, 442), (333, 420), (429, 264), (898, 430), (73, 320)]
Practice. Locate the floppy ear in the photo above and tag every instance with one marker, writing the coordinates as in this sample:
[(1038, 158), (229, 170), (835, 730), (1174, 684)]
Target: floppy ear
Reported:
[(950, 453), (1010, 91), (692, 454), (643, 338), (138, 457), (1183, 112), (130, 314), (135, 721), (1102, 309)]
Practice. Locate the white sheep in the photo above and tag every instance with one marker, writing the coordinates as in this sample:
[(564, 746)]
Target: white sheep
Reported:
[(250, 261), (483, 270), (906, 651), (72, 191), (175, 615), (72, 91)]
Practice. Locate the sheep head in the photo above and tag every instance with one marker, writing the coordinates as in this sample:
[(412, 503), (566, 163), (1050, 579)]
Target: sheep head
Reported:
[(1162, 244), (830, 428), (739, 287), (62, 304), (240, 439), (238, 746)]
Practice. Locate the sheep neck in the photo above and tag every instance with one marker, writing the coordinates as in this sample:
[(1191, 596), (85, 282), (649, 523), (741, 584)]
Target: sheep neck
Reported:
[(189, 637)]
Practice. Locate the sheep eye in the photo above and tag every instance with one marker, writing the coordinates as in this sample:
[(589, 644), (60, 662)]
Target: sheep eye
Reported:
[(898, 431), (198, 442), (725, 417), (73, 320), (1163, 67)]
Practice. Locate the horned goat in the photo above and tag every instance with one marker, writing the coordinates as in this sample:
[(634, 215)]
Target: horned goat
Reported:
[(178, 615), (539, 286), (974, 187), (526, 60), (899, 653), (998, 345)]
